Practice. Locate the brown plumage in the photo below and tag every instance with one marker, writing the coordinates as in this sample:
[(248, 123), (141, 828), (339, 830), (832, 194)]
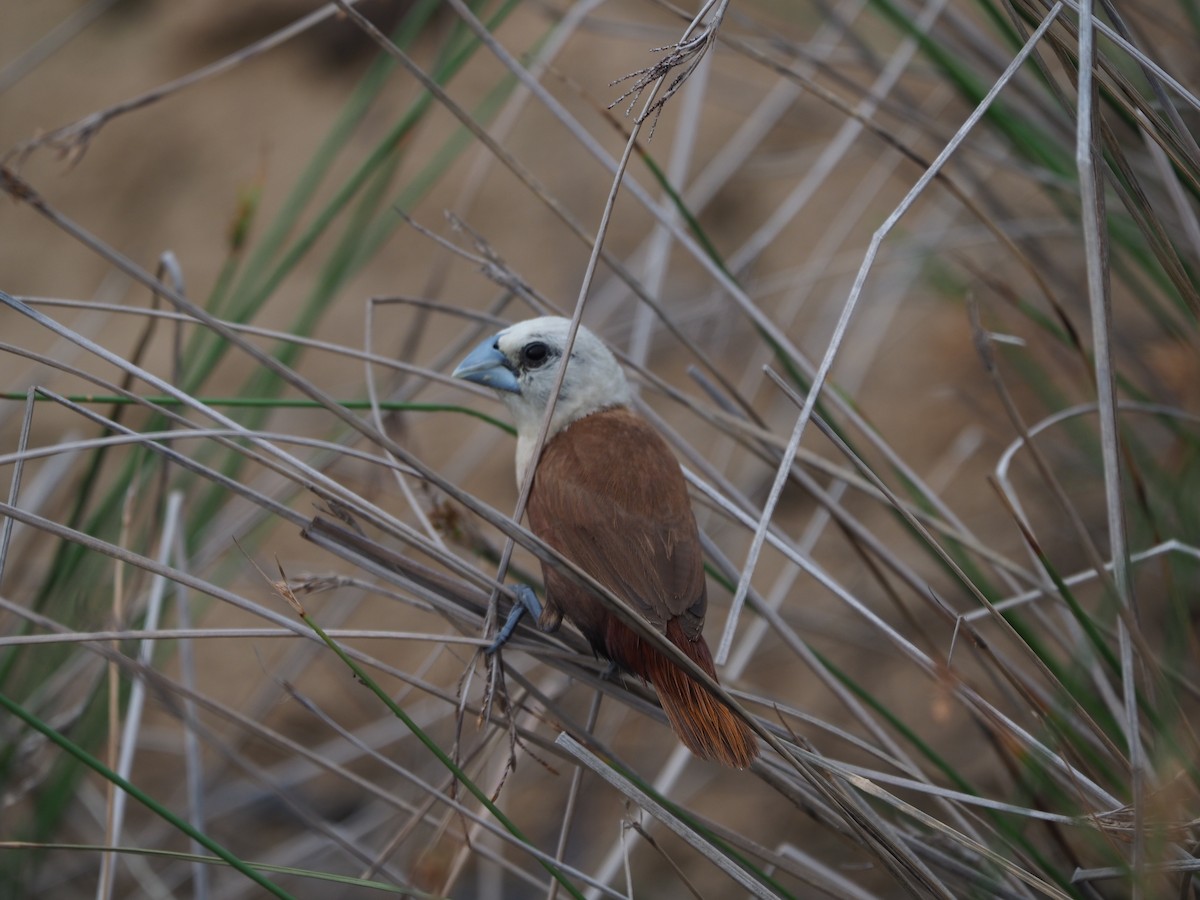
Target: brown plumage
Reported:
[(609, 495)]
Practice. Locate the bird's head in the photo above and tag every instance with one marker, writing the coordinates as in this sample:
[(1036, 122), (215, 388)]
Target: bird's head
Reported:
[(522, 363)]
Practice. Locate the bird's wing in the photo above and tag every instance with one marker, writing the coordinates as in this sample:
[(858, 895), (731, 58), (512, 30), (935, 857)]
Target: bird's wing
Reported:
[(609, 495)]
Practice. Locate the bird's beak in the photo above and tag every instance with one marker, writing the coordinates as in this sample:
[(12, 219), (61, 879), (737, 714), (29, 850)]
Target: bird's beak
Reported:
[(486, 365)]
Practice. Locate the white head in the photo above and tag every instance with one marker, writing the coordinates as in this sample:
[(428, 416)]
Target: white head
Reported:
[(522, 362)]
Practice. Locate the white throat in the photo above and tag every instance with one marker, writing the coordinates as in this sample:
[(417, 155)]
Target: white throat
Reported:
[(586, 389), (593, 380)]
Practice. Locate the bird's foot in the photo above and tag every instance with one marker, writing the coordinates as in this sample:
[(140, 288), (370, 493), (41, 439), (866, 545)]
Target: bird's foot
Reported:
[(527, 602)]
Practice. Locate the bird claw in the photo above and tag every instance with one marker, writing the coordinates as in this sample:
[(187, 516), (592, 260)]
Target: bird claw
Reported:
[(527, 602)]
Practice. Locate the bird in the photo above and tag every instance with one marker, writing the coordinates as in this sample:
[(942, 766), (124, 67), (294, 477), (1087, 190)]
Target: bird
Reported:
[(609, 495)]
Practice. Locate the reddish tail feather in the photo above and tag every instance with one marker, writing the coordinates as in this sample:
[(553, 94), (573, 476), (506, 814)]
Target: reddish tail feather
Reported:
[(704, 724)]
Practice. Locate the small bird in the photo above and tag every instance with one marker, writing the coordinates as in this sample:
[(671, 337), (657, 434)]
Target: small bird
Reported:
[(609, 495)]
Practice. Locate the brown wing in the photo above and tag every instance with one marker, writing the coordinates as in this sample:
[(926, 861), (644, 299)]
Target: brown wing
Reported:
[(609, 495)]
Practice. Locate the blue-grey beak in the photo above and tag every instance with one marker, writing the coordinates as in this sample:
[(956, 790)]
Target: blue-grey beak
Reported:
[(486, 365)]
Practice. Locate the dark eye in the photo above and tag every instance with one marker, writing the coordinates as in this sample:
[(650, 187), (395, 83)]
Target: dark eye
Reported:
[(534, 356)]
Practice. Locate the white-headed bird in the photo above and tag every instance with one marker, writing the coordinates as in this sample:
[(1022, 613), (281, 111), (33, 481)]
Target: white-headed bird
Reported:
[(609, 495)]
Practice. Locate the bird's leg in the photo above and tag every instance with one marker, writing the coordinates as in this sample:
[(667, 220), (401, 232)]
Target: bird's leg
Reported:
[(527, 602)]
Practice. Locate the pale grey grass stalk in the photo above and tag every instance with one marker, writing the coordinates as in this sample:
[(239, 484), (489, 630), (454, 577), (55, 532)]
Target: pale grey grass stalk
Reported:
[(193, 760), (38, 492), (572, 802), (834, 881), (1013, 499), (645, 802), (64, 352), (398, 473), (1109, 872), (1146, 62), (14, 484), (428, 373), (658, 242), (128, 740), (666, 783), (958, 797), (1172, 546), (496, 767), (225, 634), (71, 447), (114, 798), (1095, 241), (1170, 180)]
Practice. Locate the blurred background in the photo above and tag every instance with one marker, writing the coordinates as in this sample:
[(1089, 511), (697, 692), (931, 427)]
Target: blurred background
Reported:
[(1009, 393)]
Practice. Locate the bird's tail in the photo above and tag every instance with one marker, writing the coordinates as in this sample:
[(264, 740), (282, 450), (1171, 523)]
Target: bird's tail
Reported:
[(704, 724)]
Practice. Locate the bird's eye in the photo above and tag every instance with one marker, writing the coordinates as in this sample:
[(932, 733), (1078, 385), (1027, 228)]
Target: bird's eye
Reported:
[(535, 355)]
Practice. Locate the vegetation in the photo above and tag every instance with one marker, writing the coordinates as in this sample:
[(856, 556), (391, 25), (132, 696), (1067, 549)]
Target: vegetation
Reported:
[(911, 289)]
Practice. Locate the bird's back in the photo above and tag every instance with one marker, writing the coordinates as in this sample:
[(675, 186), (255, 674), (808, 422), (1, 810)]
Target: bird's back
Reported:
[(609, 495)]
